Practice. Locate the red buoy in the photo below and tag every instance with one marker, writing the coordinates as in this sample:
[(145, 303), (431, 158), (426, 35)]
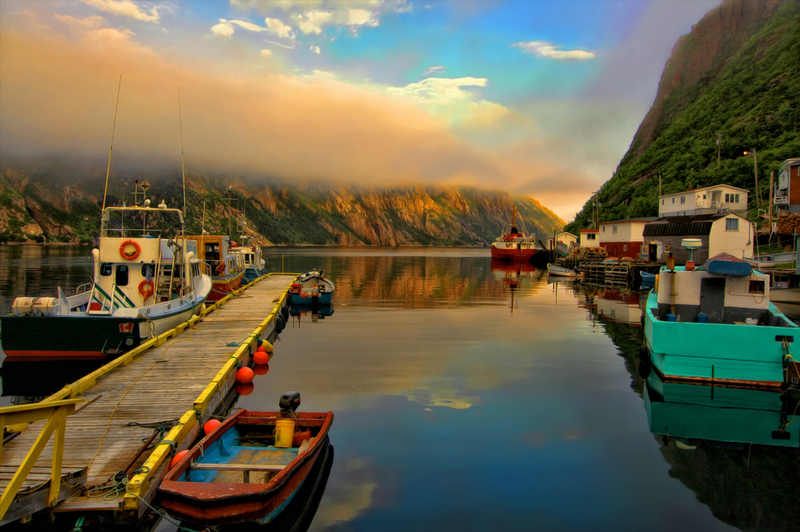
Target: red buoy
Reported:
[(245, 375), (260, 357), (210, 425), (261, 349), (245, 389), (261, 369), (177, 458)]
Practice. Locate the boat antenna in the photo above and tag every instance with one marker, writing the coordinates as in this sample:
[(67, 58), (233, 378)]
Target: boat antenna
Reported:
[(111, 146), (183, 168)]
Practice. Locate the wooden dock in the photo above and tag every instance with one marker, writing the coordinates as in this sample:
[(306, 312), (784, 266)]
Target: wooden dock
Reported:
[(168, 388)]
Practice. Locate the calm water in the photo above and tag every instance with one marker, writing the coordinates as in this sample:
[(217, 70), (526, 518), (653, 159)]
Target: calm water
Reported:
[(471, 397)]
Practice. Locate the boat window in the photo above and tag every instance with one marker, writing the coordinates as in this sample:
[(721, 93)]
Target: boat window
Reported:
[(148, 271), (105, 269), (756, 287), (122, 275)]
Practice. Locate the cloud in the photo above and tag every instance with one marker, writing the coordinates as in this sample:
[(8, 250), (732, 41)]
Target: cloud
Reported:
[(272, 25), (549, 51), (361, 17), (314, 48), (94, 21), (266, 52), (312, 22), (124, 8), (222, 29), (279, 28), (434, 70), (255, 122)]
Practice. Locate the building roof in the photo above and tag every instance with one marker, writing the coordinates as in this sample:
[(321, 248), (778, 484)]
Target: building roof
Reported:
[(590, 230), (643, 219), (704, 188), (794, 161), (697, 225)]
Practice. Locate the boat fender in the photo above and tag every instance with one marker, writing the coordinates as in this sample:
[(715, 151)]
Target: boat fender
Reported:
[(129, 255), (655, 284), (645, 363), (146, 292), (220, 269)]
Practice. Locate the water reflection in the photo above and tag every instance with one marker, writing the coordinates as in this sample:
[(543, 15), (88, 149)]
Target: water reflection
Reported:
[(736, 449), (312, 312)]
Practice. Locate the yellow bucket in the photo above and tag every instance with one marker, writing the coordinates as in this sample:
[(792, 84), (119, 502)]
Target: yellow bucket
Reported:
[(284, 432)]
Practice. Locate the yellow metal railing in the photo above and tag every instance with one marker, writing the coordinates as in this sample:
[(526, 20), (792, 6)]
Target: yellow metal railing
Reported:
[(55, 412)]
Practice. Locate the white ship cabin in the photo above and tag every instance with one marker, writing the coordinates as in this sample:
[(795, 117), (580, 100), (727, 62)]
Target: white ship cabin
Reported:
[(725, 290), (139, 266), (707, 200), (589, 238)]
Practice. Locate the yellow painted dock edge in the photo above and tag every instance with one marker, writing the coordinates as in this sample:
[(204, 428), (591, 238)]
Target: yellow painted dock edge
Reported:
[(177, 438)]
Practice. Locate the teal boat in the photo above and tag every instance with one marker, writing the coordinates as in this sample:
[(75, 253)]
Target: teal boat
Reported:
[(716, 324), (693, 412)]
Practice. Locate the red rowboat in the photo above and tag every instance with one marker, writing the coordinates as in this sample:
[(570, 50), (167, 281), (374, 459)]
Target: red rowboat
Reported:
[(211, 485)]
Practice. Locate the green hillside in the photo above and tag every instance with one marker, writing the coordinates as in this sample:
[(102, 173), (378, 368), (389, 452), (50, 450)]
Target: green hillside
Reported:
[(750, 93)]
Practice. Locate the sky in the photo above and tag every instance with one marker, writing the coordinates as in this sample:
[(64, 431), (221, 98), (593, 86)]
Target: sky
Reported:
[(534, 98)]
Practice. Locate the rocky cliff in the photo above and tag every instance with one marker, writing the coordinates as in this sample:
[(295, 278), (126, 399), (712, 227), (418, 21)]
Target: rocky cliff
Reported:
[(47, 204), (733, 76)]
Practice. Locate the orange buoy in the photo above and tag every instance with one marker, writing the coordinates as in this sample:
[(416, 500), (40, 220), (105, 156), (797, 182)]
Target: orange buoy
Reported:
[(261, 349), (177, 458), (245, 389), (245, 375), (261, 369), (260, 357), (210, 425)]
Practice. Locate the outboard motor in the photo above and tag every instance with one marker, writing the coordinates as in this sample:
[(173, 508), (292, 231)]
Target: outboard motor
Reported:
[(289, 403)]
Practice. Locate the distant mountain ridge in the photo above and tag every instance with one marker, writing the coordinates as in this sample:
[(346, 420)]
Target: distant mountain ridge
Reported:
[(734, 74), (65, 206)]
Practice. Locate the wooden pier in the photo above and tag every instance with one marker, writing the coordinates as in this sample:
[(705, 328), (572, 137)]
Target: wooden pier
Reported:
[(165, 389), (616, 273)]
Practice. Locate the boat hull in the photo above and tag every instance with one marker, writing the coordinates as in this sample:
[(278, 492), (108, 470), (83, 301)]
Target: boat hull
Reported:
[(513, 254), (83, 337), (251, 274), (719, 352), (225, 285), (198, 498), (322, 299)]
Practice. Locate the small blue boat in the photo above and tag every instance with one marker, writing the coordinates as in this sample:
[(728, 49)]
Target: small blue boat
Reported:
[(717, 324), (648, 278), (311, 288)]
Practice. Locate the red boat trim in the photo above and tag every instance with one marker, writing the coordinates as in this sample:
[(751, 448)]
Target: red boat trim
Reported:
[(707, 380), (55, 354)]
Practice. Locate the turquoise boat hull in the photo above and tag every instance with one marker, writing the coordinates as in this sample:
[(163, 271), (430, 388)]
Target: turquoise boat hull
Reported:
[(718, 413), (733, 353)]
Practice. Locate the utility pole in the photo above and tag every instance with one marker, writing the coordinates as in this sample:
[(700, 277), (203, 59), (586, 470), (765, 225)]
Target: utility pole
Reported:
[(771, 185), (659, 184), (719, 148), (755, 162)]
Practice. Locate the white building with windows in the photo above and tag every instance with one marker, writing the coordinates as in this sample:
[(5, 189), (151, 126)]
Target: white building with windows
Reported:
[(707, 200), (717, 232), (589, 238)]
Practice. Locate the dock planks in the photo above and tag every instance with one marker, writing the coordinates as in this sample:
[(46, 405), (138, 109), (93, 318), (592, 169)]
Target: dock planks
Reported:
[(162, 384)]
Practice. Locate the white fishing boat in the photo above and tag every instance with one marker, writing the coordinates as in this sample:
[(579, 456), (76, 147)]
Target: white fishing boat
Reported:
[(144, 283), (558, 271)]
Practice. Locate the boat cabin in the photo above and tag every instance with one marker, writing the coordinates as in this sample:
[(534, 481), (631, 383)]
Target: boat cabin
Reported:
[(215, 252), (725, 290)]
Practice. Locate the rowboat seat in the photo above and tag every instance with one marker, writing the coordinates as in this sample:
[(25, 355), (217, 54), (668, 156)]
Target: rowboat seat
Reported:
[(236, 467)]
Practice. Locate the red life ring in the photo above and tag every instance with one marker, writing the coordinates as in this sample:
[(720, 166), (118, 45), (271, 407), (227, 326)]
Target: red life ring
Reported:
[(146, 293), (129, 256)]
